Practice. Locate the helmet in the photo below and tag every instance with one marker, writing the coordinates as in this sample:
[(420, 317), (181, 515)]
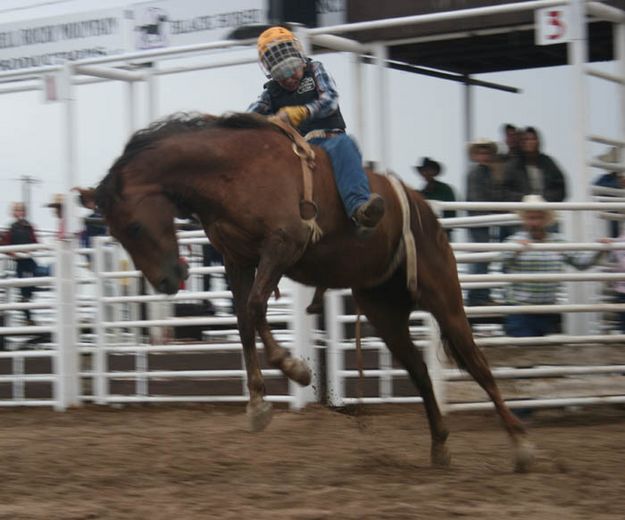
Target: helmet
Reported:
[(280, 53)]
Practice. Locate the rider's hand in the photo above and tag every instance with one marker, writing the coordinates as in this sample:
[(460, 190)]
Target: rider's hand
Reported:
[(293, 115)]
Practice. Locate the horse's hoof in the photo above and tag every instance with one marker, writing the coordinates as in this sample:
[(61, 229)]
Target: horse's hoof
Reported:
[(296, 370), (441, 458), (524, 456), (259, 416)]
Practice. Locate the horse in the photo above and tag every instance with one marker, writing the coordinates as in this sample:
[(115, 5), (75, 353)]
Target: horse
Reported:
[(238, 175)]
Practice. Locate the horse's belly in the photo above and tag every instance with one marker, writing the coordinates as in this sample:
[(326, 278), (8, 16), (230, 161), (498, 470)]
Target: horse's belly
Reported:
[(349, 264)]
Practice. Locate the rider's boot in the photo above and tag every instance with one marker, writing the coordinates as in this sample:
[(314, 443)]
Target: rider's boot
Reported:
[(369, 214)]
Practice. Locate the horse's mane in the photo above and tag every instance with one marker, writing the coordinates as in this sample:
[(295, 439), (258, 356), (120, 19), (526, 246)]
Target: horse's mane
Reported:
[(174, 124)]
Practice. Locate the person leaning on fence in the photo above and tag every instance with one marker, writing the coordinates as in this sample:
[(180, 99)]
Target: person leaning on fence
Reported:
[(94, 222), (301, 92), (618, 259), (482, 186), (614, 180), (535, 230), (435, 189), (20, 232)]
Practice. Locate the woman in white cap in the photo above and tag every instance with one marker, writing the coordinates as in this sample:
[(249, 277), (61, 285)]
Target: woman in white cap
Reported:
[(536, 225)]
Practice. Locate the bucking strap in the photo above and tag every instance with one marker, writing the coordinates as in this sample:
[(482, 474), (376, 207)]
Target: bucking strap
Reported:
[(407, 237), (307, 207)]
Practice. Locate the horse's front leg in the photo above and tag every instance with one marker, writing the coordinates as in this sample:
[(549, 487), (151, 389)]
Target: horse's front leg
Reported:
[(241, 280), (280, 252)]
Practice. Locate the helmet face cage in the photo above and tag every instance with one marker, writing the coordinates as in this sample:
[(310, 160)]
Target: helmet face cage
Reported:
[(282, 58)]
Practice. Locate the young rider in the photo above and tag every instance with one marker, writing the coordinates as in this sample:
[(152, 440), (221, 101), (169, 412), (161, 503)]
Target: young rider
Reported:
[(301, 92)]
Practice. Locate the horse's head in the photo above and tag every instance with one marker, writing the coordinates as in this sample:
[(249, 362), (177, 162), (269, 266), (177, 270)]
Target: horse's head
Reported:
[(143, 222)]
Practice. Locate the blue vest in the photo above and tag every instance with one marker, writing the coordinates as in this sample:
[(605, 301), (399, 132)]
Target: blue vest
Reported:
[(305, 93)]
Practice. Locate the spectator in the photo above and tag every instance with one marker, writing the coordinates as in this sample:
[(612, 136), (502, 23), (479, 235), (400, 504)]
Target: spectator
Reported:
[(618, 256), (614, 180), (433, 189), (512, 140), (481, 187), (533, 172), (21, 232), (94, 222), (57, 207), (536, 225)]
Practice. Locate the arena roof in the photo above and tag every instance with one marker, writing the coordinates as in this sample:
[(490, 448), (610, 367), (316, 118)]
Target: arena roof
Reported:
[(474, 45)]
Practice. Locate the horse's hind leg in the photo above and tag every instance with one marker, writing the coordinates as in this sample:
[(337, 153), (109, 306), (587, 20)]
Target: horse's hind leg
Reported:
[(457, 332), (241, 280), (279, 253), (388, 309)]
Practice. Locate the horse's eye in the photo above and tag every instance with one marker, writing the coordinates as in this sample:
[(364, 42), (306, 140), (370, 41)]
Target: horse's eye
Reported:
[(133, 230)]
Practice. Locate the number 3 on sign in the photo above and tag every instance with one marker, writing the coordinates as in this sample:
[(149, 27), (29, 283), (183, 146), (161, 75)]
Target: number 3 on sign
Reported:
[(552, 25)]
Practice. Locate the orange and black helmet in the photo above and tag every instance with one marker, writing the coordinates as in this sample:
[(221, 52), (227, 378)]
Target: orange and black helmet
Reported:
[(279, 52)]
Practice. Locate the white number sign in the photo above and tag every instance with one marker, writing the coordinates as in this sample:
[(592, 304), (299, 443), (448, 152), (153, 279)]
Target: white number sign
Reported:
[(552, 25)]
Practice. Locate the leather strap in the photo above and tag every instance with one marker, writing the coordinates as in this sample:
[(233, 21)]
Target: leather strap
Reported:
[(307, 207)]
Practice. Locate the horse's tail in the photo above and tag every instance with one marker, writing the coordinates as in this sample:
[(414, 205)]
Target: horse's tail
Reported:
[(426, 227)]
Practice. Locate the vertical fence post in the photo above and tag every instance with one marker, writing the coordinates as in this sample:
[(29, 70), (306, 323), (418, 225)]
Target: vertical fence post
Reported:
[(67, 359), (303, 346), (100, 361), (434, 353), (580, 185), (381, 97), (334, 309), (385, 362)]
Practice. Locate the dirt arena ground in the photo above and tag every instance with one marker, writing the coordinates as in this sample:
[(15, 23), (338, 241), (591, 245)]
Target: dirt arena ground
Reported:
[(198, 462)]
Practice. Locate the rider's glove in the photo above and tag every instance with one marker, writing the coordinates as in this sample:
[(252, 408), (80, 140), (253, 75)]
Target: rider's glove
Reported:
[(295, 114)]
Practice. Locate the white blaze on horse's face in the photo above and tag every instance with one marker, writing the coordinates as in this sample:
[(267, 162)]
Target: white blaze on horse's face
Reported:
[(145, 227)]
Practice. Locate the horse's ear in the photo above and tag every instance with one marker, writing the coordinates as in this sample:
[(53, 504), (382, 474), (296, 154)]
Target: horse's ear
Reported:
[(86, 196)]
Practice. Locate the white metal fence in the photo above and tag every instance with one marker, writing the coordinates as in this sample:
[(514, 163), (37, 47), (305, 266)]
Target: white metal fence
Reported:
[(124, 347)]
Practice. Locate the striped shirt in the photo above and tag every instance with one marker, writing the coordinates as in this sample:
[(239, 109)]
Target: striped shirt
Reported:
[(327, 101), (541, 262)]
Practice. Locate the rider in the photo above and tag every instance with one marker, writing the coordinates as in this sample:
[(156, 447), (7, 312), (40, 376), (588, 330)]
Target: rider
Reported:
[(301, 92)]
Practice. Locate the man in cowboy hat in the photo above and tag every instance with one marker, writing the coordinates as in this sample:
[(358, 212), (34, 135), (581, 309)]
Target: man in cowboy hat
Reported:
[(301, 92), (57, 206), (536, 229), (434, 189)]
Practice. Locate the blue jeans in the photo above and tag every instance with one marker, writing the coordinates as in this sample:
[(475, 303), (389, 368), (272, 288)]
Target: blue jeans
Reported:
[(531, 325), (477, 296), (351, 180)]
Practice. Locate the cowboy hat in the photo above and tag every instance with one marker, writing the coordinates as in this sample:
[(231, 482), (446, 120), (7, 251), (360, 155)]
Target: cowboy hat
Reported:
[(537, 199), (613, 155), (57, 201), (482, 143), (429, 163)]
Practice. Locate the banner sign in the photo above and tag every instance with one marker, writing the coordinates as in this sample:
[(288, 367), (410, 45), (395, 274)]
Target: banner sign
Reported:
[(169, 23), (50, 41), (139, 26)]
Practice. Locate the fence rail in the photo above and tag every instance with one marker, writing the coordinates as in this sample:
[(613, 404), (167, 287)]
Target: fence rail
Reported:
[(119, 361)]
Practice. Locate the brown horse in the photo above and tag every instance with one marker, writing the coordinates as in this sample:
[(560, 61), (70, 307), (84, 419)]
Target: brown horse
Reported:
[(240, 177)]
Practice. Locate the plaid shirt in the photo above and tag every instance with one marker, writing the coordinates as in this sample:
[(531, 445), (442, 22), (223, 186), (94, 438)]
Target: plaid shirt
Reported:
[(327, 101), (540, 262)]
